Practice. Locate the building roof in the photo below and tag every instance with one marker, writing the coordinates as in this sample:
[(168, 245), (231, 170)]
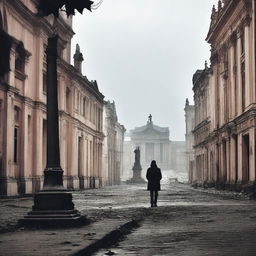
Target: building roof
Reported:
[(150, 126)]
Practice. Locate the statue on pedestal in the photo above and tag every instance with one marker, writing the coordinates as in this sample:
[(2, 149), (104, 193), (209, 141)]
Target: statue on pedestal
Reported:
[(137, 159), (137, 168)]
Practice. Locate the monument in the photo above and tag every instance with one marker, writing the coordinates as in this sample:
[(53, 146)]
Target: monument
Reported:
[(137, 168)]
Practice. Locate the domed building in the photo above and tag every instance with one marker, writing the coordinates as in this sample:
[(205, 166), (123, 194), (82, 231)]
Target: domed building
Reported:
[(154, 143)]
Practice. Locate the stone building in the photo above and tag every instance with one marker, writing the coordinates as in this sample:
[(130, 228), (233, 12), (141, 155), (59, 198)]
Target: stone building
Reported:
[(113, 145), (155, 144), (189, 138), (23, 105), (225, 100)]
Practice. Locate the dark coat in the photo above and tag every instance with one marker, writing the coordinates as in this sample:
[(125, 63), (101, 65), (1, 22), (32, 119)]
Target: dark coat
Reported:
[(154, 176)]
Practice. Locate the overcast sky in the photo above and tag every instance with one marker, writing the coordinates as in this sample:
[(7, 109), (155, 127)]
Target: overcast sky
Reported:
[(143, 54)]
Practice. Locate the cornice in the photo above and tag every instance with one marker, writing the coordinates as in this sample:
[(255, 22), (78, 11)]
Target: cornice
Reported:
[(78, 123), (34, 21), (230, 128), (201, 125), (224, 15), (199, 78), (76, 75)]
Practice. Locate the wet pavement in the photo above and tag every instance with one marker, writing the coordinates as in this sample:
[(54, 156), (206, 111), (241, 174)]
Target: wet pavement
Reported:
[(187, 221)]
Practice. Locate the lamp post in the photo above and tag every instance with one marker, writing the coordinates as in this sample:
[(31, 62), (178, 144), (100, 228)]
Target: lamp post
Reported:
[(53, 205)]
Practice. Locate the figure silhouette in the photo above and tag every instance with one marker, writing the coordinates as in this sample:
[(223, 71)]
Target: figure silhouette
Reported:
[(154, 176)]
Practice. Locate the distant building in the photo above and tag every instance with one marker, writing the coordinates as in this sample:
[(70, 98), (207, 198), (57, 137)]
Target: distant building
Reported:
[(189, 138), (154, 144), (225, 100), (113, 146), (177, 156), (23, 105), (202, 124)]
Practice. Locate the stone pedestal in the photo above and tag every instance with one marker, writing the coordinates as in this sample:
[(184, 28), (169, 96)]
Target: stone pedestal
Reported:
[(53, 209), (136, 179)]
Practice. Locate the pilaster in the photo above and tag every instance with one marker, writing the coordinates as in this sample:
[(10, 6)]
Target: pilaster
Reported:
[(239, 77), (248, 97), (232, 176), (240, 158), (252, 154)]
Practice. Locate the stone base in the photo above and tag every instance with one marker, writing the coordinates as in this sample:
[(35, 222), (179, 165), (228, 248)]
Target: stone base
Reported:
[(53, 209), (135, 181), (248, 188), (136, 176)]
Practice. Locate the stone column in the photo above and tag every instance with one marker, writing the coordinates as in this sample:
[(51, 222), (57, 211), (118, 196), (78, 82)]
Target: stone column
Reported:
[(252, 155), (232, 176), (239, 78), (240, 158), (228, 154), (233, 78), (247, 45)]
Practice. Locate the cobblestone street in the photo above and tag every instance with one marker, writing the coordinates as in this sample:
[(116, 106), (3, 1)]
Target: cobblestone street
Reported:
[(187, 222)]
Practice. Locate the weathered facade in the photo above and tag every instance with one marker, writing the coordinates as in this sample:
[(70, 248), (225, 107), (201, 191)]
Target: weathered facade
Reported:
[(113, 145), (23, 105), (189, 138), (225, 100)]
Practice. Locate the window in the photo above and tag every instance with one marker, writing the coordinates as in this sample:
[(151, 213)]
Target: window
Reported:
[(84, 106), (99, 121), (16, 134), (15, 150), (44, 83), (68, 100), (20, 59), (77, 101), (16, 114)]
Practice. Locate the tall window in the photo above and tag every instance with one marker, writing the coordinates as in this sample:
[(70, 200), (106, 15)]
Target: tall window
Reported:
[(15, 150), (68, 100), (77, 101), (16, 134), (99, 119), (44, 83), (84, 106), (20, 59)]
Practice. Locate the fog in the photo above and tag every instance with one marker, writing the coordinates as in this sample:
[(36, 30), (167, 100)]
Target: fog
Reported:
[(143, 55)]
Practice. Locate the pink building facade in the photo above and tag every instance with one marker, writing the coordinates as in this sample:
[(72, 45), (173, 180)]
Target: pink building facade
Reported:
[(23, 105), (225, 101)]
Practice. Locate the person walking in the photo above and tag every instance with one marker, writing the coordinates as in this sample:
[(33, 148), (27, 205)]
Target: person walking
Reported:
[(154, 176)]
